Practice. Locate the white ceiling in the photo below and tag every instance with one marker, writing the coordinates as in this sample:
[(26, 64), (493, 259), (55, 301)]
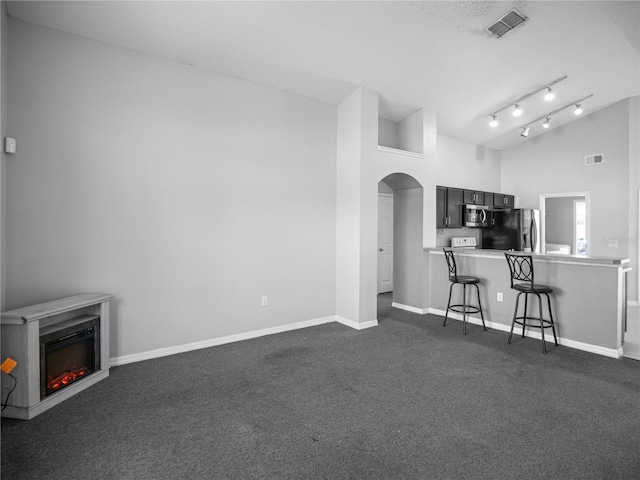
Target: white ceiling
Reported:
[(432, 54)]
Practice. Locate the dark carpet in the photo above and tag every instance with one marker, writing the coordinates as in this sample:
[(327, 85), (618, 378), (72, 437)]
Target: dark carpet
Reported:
[(409, 399)]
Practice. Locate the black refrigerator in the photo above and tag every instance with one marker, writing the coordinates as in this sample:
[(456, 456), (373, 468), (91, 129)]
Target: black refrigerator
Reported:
[(517, 229)]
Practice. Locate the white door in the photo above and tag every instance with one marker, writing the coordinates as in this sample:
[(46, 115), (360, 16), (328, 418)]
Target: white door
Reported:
[(385, 242)]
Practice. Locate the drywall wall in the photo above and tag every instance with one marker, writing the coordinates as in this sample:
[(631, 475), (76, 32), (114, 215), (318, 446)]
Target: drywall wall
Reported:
[(411, 133), (349, 186), (408, 272), (388, 135), (634, 196), (187, 194), (554, 163), (559, 226), (3, 133), (466, 165), (361, 166)]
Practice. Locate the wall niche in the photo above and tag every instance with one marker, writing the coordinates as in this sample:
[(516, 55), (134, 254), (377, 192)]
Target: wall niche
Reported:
[(405, 135)]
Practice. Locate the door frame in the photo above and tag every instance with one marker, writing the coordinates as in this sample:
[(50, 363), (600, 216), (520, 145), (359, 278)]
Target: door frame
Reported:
[(542, 203), (391, 196)]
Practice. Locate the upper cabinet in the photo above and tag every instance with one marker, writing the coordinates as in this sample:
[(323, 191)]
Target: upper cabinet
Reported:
[(501, 200), (488, 199), (450, 202), (472, 197), (448, 207)]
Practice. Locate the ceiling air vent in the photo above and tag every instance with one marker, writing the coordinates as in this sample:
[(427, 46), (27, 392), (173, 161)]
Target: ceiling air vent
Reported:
[(507, 23), (593, 159)]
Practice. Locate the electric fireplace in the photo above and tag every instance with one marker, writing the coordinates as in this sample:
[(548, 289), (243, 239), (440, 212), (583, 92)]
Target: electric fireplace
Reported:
[(62, 342), (69, 351)]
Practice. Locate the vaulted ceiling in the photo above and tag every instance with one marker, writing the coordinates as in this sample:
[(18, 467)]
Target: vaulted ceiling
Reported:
[(435, 55)]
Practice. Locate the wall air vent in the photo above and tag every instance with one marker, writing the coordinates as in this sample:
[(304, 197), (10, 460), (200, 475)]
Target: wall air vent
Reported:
[(507, 23), (597, 159)]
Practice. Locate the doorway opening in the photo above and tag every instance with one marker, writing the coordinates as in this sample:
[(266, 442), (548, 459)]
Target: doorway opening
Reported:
[(399, 248), (580, 227), (564, 223)]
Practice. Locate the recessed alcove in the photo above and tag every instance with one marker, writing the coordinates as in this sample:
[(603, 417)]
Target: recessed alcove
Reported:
[(404, 136)]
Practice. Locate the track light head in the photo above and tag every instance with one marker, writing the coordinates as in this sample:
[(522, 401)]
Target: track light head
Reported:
[(494, 121), (546, 123), (578, 109), (549, 95), (516, 111), (525, 132)]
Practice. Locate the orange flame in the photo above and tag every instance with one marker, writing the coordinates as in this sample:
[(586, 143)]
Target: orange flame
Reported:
[(65, 378)]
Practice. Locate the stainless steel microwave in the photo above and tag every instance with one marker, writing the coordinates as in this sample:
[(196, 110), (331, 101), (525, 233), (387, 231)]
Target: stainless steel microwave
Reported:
[(476, 216)]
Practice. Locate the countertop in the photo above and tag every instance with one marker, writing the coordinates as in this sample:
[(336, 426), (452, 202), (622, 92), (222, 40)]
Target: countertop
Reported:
[(575, 259)]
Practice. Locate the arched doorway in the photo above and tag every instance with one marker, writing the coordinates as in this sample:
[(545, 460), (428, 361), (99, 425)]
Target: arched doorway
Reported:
[(400, 242)]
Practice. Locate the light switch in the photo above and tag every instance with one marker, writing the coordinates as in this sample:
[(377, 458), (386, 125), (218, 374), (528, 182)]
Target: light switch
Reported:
[(9, 145)]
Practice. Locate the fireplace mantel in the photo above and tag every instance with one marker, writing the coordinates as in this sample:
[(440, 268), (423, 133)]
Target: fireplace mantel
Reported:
[(20, 340)]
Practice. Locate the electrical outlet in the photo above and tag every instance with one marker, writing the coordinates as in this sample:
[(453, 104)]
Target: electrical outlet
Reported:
[(499, 296), (265, 300)]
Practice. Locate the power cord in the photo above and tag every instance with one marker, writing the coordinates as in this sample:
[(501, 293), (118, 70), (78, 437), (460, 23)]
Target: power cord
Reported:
[(6, 367), (15, 382)]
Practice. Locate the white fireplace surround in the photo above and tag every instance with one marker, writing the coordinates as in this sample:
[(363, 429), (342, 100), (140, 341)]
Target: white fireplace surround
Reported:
[(21, 330)]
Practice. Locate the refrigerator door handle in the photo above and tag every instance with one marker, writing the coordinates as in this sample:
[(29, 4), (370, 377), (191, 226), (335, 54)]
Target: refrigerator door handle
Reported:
[(534, 235), (484, 217)]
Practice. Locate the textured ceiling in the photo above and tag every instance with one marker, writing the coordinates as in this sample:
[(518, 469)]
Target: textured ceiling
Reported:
[(432, 54)]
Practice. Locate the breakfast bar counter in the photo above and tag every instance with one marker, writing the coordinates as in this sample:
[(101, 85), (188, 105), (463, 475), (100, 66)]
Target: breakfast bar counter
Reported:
[(589, 299)]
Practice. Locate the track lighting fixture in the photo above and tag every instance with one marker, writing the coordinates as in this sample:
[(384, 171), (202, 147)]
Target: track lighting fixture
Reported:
[(549, 95), (547, 117), (517, 111)]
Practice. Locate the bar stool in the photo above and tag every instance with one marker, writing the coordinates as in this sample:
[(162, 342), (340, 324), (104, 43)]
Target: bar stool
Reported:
[(463, 280), (521, 270)]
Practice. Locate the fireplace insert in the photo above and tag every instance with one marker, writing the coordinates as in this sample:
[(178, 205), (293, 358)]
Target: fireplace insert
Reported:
[(69, 351)]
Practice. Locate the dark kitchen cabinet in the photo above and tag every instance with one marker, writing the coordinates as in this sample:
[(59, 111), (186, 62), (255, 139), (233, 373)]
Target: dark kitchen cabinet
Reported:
[(502, 200), (441, 207), (488, 199), (509, 201), (448, 207), (473, 197)]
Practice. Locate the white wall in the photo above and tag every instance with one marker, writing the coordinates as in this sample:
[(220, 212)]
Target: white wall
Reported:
[(634, 190), (554, 163), (408, 272), (349, 160), (388, 133), (467, 165), (3, 133), (559, 227), (187, 194), (411, 133)]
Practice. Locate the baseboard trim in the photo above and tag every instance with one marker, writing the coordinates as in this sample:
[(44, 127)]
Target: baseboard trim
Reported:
[(356, 325), (408, 308), (586, 347), (214, 342)]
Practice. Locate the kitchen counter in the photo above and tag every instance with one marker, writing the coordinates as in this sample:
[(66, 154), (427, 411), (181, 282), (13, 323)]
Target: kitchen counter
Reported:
[(589, 299), (551, 257)]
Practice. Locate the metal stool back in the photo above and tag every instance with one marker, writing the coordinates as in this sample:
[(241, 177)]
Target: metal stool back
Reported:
[(521, 270), (463, 280)]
